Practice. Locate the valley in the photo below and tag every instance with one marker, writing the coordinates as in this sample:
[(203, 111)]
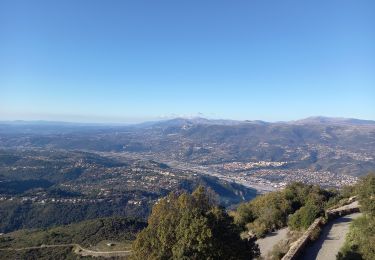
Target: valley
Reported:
[(66, 174)]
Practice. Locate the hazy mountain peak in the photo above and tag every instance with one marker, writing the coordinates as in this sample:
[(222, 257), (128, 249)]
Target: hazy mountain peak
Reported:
[(333, 120)]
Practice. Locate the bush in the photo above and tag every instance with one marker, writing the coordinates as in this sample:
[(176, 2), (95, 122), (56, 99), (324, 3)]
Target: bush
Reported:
[(366, 194), (360, 241), (271, 211), (243, 215), (304, 217), (279, 250), (258, 228), (260, 219)]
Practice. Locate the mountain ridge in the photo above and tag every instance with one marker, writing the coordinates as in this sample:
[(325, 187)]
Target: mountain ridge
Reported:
[(198, 120)]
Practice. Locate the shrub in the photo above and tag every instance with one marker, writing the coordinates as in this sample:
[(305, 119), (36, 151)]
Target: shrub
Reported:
[(279, 250), (366, 193), (304, 217), (271, 211)]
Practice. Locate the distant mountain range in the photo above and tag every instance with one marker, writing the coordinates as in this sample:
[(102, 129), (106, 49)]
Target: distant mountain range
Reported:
[(319, 120), (199, 120), (54, 173), (337, 145), (334, 120)]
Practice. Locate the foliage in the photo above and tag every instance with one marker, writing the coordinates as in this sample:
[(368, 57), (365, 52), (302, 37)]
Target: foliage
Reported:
[(85, 233), (279, 250), (340, 197), (360, 241), (271, 211), (42, 254), (304, 216), (20, 186), (228, 193), (191, 227), (243, 214), (348, 191), (300, 194), (366, 193), (20, 215)]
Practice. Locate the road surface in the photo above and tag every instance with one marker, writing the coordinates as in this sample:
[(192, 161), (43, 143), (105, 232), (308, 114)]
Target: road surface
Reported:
[(266, 244), (331, 239)]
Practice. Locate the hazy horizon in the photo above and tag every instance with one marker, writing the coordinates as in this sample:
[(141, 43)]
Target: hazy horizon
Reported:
[(161, 119)]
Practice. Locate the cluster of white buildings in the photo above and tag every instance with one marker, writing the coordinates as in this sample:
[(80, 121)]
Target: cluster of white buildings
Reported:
[(241, 166)]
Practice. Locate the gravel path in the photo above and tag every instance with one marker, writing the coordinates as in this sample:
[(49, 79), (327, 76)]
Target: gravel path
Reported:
[(266, 244), (331, 239), (78, 249)]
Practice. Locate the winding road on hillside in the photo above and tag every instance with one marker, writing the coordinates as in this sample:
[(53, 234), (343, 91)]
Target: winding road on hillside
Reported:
[(331, 239)]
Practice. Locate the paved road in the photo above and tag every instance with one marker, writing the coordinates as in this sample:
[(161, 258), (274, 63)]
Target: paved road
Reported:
[(266, 244), (331, 239)]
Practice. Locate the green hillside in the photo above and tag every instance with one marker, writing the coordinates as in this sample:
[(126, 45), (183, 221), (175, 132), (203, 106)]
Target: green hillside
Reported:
[(85, 233)]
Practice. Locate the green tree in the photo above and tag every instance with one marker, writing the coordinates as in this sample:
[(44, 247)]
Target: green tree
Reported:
[(243, 214), (271, 211), (191, 227), (304, 217), (264, 213)]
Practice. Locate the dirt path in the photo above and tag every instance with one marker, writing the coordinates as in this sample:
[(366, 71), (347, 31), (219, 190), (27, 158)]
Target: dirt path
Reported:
[(78, 249), (86, 252), (266, 244), (331, 239)]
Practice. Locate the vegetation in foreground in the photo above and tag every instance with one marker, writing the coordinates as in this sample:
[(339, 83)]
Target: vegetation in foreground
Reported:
[(297, 206), (360, 241), (87, 233), (191, 227), (41, 254)]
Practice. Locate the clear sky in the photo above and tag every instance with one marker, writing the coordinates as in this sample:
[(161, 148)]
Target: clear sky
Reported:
[(126, 61)]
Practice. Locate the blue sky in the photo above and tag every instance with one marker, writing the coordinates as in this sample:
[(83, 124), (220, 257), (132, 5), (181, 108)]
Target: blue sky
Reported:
[(129, 61)]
